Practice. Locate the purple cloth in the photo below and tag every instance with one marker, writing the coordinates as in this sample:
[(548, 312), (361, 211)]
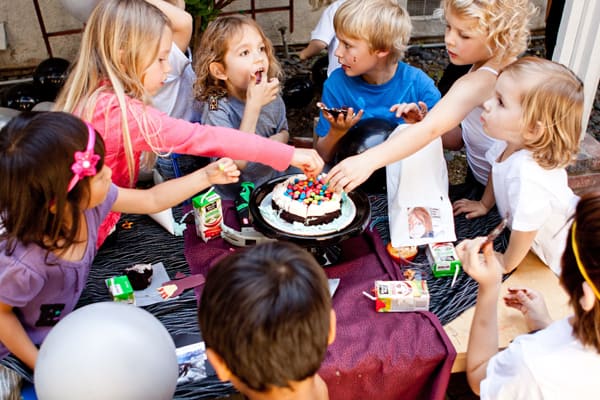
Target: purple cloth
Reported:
[(375, 355), (41, 294)]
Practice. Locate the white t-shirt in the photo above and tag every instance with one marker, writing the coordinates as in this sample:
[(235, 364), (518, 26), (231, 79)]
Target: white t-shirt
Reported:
[(535, 199), (325, 33), (550, 364), (176, 97)]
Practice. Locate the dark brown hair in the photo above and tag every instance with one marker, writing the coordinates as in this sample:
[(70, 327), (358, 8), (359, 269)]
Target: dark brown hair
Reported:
[(36, 154), (586, 324), (266, 312)]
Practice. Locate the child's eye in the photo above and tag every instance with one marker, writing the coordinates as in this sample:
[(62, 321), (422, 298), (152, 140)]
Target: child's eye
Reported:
[(262, 49), (244, 53)]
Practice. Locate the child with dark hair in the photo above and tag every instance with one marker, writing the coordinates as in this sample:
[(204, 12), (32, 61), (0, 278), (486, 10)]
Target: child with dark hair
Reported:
[(562, 358), (55, 190), (266, 317)]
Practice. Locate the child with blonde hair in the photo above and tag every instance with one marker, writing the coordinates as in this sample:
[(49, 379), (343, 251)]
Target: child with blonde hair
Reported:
[(487, 34), (372, 82), (239, 87), (561, 360), (55, 190), (121, 64), (535, 114)]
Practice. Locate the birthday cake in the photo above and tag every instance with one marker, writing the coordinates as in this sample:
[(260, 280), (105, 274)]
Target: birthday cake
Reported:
[(308, 201)]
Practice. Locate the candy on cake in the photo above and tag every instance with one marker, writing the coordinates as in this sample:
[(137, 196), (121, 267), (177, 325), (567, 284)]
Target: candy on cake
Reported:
[(309, 201)]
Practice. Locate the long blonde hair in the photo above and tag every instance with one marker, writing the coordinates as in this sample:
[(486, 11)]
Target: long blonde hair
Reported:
[(120, 40)]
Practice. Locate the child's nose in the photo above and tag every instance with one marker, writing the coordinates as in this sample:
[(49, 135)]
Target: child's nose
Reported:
[(487, 104)]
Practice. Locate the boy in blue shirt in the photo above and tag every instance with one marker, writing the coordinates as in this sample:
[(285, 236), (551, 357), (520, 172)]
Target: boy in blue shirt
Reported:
[(372, 80)]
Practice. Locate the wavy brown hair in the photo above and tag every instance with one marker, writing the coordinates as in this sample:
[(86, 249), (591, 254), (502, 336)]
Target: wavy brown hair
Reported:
[(214, 44)]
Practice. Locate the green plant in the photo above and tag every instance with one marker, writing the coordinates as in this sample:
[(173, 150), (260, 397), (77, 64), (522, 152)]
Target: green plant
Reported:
[(205, 11)]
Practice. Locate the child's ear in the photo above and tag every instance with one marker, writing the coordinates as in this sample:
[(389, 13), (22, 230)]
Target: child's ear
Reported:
[(217, 70), (332, 327), (588, 299), (381, 53), (52, 207), (535, 132), (219, 365)]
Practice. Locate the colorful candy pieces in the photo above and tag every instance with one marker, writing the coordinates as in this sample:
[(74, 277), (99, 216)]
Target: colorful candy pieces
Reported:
[(309, 191)]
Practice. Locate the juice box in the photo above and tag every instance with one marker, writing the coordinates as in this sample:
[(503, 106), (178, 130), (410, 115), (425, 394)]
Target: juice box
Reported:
[(443, 259), (120, 289), (395, 296), (208, 214)]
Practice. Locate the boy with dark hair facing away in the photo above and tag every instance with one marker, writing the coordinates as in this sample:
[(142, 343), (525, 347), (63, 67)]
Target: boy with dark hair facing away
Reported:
[(266, 318)]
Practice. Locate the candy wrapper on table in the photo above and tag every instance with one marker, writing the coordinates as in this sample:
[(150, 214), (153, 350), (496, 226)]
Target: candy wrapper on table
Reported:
[(401, 296), (419, 209)]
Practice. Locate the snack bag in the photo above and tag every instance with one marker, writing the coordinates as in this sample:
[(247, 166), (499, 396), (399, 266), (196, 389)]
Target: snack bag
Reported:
[(208, 214)]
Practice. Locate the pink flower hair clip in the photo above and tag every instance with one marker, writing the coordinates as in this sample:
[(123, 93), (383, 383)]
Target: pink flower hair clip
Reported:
[(85, 161)]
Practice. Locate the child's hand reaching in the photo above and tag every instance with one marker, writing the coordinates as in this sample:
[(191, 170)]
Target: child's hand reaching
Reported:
[(484, 268), (470, 208), (261, 92), (410, 112), (308, 160), (222, 171), (531, 303), (343, 120)]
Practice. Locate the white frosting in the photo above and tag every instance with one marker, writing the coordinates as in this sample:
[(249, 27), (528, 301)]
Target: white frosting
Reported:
[(299, 208)]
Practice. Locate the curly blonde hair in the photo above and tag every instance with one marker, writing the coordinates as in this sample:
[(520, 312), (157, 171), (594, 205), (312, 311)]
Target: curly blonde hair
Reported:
[(504, 23), (384, 24), (214, 44), (552, 108)]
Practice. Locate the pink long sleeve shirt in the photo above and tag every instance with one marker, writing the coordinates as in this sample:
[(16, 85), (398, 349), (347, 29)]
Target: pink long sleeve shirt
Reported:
[(176, 136)]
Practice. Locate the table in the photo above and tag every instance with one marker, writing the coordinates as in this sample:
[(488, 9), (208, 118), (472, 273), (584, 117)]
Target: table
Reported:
[(375, 355), (531, 273)]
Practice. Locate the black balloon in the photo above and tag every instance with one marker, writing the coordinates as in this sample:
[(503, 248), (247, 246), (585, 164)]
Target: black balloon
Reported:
[(49, 77), (22, 96), (298, 91), (365, 134)]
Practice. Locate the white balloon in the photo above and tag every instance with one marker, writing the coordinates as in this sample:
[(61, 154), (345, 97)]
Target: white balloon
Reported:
[(107, 351), (80, 9)]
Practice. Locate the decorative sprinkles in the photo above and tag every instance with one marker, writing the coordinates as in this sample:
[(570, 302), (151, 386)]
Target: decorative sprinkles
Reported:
[(309, 191)]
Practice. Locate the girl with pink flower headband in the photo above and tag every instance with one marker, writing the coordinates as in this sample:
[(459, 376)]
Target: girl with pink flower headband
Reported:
[(55, 191)]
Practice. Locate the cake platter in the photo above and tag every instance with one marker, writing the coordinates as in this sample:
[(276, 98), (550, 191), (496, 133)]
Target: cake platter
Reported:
[(356, 213)]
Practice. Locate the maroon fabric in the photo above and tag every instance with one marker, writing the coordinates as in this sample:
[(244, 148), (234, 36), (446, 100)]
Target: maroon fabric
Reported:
[(375, 355)]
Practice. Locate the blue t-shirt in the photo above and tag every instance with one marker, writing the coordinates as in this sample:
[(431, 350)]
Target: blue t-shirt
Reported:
[(408, 85)]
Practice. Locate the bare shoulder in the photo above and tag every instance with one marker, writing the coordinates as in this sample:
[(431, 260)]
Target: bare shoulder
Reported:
[(473, 88)]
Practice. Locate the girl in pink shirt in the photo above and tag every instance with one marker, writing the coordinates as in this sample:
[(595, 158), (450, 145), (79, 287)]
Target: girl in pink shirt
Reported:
[(122, 63)]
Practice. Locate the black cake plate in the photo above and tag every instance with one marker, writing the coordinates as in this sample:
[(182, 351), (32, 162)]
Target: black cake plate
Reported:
[(355, 227)]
